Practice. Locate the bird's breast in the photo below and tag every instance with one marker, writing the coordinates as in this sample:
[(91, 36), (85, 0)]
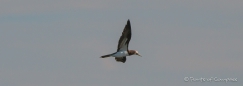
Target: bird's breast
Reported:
[(120, 54)]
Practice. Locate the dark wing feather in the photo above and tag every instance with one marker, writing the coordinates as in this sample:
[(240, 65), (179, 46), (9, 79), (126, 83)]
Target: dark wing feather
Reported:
[(125, 37), (121, 59)]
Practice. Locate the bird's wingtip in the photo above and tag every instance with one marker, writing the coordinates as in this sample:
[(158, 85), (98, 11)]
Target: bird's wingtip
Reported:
[(128, 21)]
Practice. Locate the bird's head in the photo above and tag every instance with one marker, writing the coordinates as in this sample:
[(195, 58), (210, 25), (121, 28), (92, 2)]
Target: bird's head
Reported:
[(133, 52)]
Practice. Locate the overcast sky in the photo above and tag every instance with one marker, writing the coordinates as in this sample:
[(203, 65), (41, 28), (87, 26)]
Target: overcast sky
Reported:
[(59, 42)]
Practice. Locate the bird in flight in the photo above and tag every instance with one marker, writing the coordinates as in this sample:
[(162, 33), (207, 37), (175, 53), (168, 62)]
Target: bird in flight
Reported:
[(122, 48)]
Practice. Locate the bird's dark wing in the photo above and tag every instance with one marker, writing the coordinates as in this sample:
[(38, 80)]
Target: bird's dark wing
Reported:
[(121, 59), (125, 38)]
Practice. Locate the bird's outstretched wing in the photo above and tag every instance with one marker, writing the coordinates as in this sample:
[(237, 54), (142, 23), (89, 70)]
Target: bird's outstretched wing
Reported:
[(121, 59), (125, 38)]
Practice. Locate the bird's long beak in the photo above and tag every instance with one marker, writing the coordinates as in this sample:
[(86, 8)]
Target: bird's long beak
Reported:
[(139, 55)]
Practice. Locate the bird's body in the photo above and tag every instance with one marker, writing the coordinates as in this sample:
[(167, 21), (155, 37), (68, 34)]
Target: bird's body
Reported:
[(120, 54), (122, 48)]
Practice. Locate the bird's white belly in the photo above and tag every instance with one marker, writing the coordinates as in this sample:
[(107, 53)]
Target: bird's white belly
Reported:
[(120, 54)]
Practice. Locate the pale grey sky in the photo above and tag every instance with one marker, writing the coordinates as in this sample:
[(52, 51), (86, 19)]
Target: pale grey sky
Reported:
[(59, 42)]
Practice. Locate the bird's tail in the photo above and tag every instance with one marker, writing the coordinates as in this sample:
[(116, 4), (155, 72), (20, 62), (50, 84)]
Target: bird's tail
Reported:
[(105, 56)]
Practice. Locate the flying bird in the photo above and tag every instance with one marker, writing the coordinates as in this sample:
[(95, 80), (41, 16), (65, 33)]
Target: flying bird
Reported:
[(122, 48)]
